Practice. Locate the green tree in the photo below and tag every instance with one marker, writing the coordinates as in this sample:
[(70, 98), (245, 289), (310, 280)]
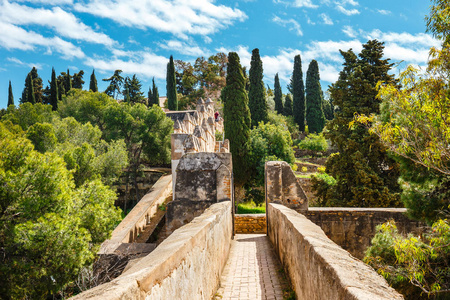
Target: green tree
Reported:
[(315, 117), (53, 97), (236, 118), (133, 93), (328, 108), (28, 92), (67, 82), (33, 83), (93, 82), (77, 80), (115, 84), (257, 94), (150, 97), (297, 90), (171, 87), (365, 175), (10, 95), (288, 110), (278, 95), (153, 94)]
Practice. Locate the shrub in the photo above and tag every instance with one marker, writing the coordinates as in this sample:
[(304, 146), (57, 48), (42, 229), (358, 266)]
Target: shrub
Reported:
[(314, 142)]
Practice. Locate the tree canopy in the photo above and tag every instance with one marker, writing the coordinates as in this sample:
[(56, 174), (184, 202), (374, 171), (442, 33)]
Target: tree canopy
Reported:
[(257, 95), (297, 89), (315, 117)]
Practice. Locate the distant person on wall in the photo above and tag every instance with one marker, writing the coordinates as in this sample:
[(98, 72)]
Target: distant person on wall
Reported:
[(216, 116)]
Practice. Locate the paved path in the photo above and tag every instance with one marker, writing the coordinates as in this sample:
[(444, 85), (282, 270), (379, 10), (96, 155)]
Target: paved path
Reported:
[(253, 270)]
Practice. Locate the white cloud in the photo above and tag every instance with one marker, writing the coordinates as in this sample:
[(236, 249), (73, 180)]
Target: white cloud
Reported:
[(141, 63), (21, 63), (48, 2), (349, 2), (384, 12), (297, 3), (65, 24), (179, 17), (291, 24), (403, 38), (326, 19), (348, 12), (349, 31), (14, 37), (183, 48)]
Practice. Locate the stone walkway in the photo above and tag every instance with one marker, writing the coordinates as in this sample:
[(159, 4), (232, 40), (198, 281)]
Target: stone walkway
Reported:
[(253, 270)]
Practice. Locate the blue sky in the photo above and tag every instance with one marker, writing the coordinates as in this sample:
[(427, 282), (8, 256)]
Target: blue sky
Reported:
[(138, 36)]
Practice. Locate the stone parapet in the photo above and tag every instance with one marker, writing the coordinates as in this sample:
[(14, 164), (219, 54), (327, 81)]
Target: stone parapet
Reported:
[(318, 268), (250, 223), (187, 265)]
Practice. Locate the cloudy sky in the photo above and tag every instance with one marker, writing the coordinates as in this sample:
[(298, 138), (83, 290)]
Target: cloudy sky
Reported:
[(138, 36)]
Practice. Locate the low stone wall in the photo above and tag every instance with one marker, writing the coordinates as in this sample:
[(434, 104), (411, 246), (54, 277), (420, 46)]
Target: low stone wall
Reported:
[(354, 228), (250, 223), (187, 265), (318, 268)]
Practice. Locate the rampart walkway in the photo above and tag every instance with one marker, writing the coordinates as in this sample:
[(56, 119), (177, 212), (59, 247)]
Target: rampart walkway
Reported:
[(253, 270)]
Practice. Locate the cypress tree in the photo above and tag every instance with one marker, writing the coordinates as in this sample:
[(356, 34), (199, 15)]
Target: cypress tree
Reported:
[(315, 117), (155, 93), (54, 94), (67, 82), (278, 94), (287, 109), (29, 90), (150, 97), (236, 117), (35, 82), (93, 82), (365, 175), (77, 81), (298, 92), (171, 86), (257, 94), (10, 95)]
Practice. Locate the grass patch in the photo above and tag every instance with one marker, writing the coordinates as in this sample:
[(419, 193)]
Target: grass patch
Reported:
[(304, 175), (251, 208)]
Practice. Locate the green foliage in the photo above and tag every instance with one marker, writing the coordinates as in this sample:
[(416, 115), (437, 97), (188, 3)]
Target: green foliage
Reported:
[(250, 208), (42, 136), (27, 114), (256, 93), (67, 82), (366, 176), (288, 110), (255, 195), (32, 91), (153, 94), (53, 97), (328, 109), (93, 83), (268, 142), (28, 92), (115, 84), (286, 121), (278, 95), (171, 86), (421, 261), (10, 95), (297, 89), (315, 117), (314, 142), (133, 88), (438, 22), (49, 228), (236, 118), (77, 80), (323, 185)]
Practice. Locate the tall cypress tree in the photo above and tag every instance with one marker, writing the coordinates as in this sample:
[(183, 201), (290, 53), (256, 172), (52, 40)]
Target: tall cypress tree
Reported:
[(29, 94), (287, 109), (257, 94), (315, 117), (298, 92), (171, 86), (10, 95), (150, 97), (67, 82), (365, 175), (36, 82), (278, 94), (93, 82), (53, 99), (236, 117), (155, 93)]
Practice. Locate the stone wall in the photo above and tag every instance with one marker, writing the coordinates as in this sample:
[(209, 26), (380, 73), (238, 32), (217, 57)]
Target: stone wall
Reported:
[(354, 228), (187, 265), (250, 223), (202, 180), (282, 186), (318, 268)]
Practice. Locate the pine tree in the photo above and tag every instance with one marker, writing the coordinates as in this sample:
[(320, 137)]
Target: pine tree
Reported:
[(36, 83), (132, 90), (365, 175), (171, 86), (315, 117), (10, 95), (93, 82), (54, 94), (298, 92), (29, 91), (236, 117), (155, 93), (77, 82), (257, 94), (115, 84), (287, 109), (278, 94)]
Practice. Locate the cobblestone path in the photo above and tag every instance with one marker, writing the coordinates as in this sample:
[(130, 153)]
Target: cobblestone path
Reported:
[(253, 270)]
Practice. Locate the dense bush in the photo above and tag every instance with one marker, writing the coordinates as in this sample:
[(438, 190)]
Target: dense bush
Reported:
[(314, 142)]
